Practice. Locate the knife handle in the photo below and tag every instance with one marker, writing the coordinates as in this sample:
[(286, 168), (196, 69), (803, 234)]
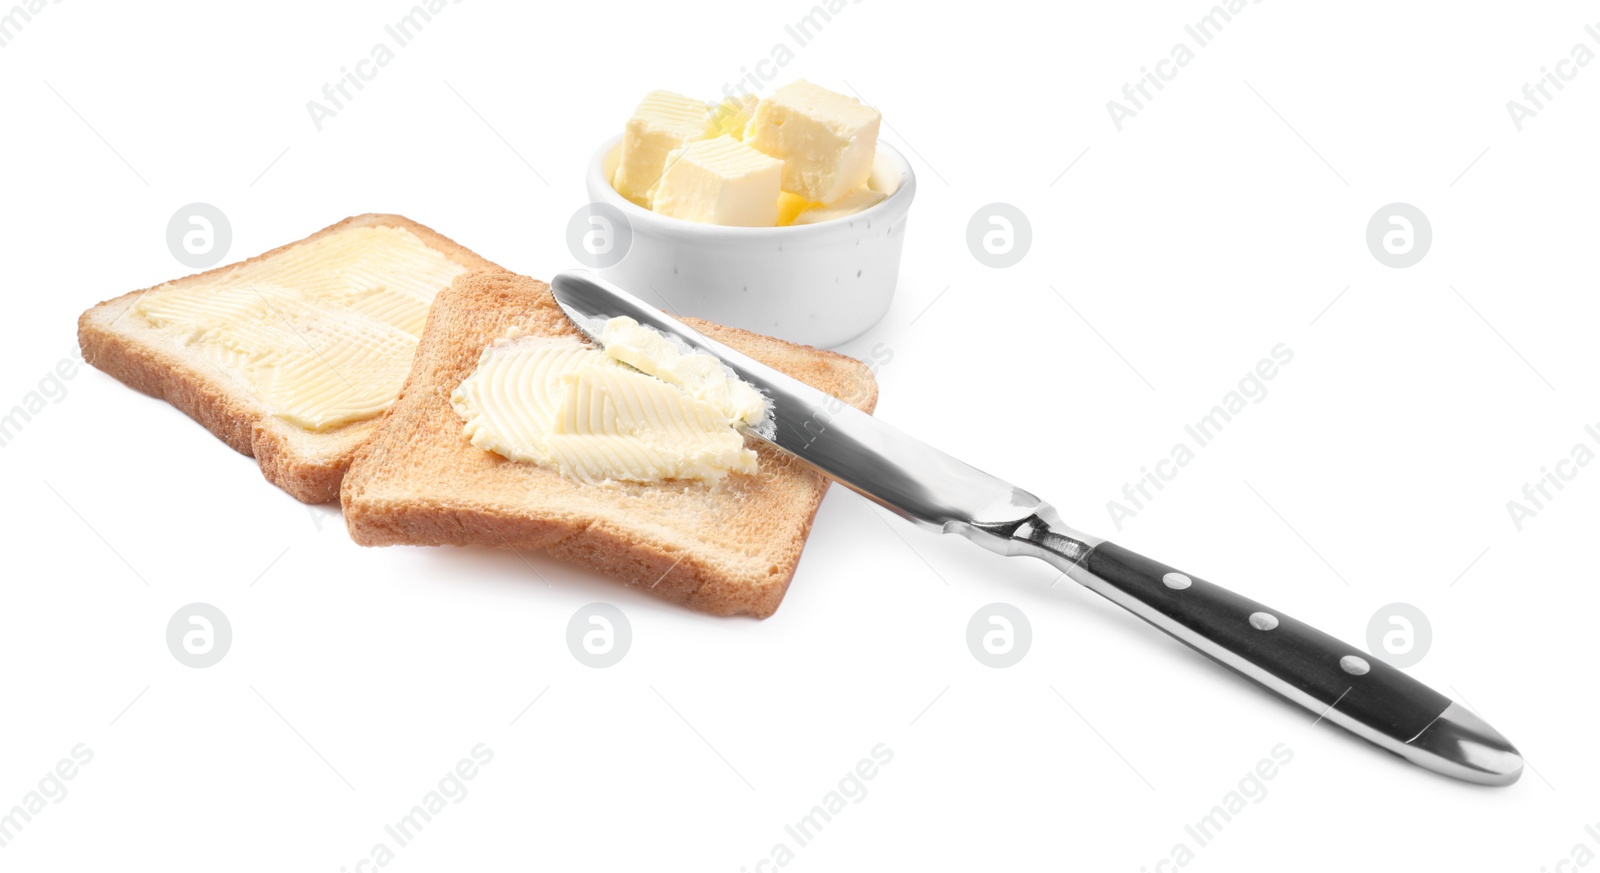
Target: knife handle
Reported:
[(1331, 678), (1294, 658)]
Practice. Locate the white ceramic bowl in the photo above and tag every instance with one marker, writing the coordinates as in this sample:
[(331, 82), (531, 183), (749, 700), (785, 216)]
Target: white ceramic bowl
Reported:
[(818, 284)]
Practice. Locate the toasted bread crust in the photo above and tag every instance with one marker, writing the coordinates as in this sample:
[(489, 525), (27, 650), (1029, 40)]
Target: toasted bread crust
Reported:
[(731, 549), (309, 466)]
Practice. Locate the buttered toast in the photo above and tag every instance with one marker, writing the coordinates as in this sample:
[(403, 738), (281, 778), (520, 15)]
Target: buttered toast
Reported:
[(727, 549), (292, 356)]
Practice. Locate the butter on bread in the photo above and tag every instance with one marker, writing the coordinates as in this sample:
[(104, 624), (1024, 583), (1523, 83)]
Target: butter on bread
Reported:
[(308, 462), (729, 549)]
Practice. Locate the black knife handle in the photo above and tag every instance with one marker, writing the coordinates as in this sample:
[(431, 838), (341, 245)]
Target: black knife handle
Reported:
[(1294, 660), (1297, 660)]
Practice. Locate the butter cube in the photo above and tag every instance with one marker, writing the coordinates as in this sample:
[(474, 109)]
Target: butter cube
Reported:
[(826, 141), (664, 121), (720, 181), (733, 115), (849, 204)]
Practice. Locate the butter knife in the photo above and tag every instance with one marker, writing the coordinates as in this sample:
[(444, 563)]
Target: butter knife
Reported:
[(935, 491)]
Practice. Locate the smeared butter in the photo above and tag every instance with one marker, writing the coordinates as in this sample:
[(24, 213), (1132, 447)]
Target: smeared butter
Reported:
[(639, 410), (322, 333), (698, 375)]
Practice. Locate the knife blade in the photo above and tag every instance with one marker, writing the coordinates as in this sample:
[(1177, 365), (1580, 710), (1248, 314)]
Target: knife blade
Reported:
[(938, 492)]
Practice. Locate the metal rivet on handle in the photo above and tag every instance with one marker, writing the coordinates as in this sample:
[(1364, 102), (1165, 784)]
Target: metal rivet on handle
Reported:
[(1354, 665), (1263, 620), (1177, 581)]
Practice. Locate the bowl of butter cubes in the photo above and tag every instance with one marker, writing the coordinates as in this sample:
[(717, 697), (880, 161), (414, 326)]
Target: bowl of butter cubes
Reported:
[(782, 214)]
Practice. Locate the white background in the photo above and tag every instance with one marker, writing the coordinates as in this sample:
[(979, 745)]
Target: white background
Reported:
[(1207, 231)]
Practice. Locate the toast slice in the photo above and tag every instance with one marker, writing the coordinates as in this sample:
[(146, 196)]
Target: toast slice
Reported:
[(306, 463), (729, 549)]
